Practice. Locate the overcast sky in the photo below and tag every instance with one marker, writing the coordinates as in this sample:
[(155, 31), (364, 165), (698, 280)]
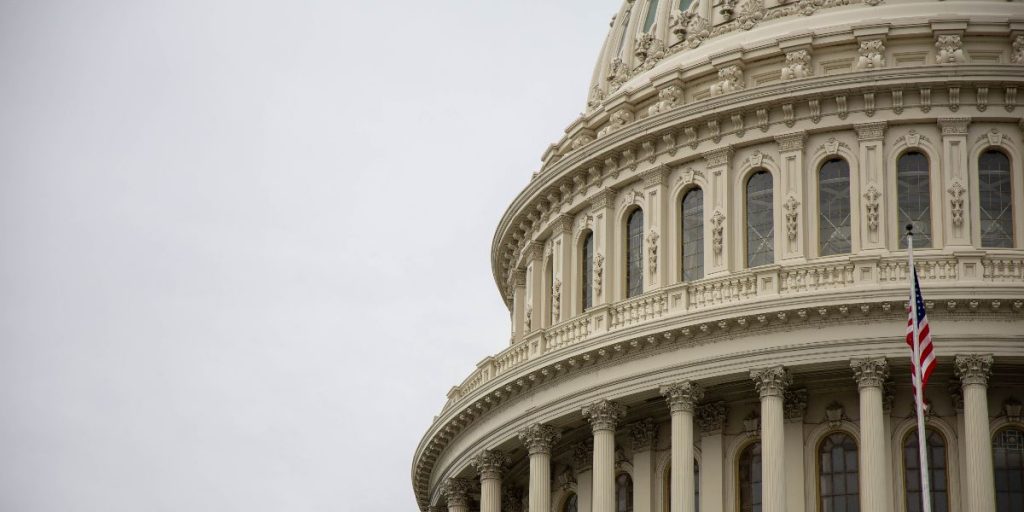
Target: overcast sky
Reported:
[(244, 245)]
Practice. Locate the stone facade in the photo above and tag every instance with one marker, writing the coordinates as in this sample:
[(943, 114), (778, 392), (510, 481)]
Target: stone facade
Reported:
[(784, 354)]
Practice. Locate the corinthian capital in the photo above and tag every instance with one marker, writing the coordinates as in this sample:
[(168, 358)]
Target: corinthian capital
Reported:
[(974, 368), (870, 373), (456, 491), (771, 381), (604, 414), (538, 438), (490, 464), (682, 396)]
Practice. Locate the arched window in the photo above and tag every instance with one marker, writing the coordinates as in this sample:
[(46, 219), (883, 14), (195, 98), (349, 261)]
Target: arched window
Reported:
[(1008, 460), (838, 488), (635, 253), (913, 198), (749, 476), (588, 271), (834, 207), (623, 493), (693, 235), (936, 450), (571, 504), (996, 199), (652, 16), (760, 222)]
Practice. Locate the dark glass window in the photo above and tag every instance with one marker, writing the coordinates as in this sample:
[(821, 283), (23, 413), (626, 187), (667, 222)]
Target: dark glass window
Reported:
[(936, 450), (571, 504), (623, 493), (834, 208), (1008, 460), (837, 474), (996, 199), (652, 16), (760, 223), (913, 197), (635, 253), (588, 271), (750, 478), (693, 235)]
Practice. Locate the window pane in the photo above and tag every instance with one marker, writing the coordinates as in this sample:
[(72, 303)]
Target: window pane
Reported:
[(635, 254), (913, 196), (750, 478), (760, 224), (996, 200), (693, 235), (1008, 459), (624, 493), (838, 474), (834, 208), (588, 271), (936, 449), (652, 16)]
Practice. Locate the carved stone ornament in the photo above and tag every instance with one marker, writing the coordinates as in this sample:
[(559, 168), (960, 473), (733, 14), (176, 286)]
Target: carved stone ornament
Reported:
[(652, 251), (794, 403), (583, 455), (648, 50), (456, 491), (1012, 409), (668, 99), (682, 396), (539, 438), (798, 65), (1017, 55), (556, 300), (528, 318), (618, 73), (995, 138), (771, 381), (711, 417), (753, 11), (956, 395), (643, 434), (832, 145), (871, 206), (870, 55), (717, 228), (688, 176), (752, 423), (792, 207), (596, 97), (956, 202), (598, 273), (679, 21), (512, 500), (565, 480), (618, 119), (870, 373), (730, 80), (581, 140), (490, 464), (973, 368), (950, 50), (835, 414), (604, 414), (728, 8)]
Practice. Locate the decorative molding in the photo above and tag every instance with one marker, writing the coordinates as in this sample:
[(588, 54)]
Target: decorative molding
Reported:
[(794, 403), (832, 145), (954, 125), (792, 207), (456, 490), (598, 273), (798, 65), (973, 368), (871, 131), (619, 119), (668, 98), (711, 417), (643, 434), (756, 159), (687, 177), (956, 202), (490, 464), (717, 227), (1012, 409), (682, 396), (835, 415), (730, 80), (1017, 55), (652, 251), (871, 55), (951, 49), (718, 157), (870, 373), (556, 300), (604, 415), (791, 141), (583, 455)]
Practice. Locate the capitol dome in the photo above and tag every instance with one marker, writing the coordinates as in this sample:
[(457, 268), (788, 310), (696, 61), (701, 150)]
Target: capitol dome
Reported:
[(709, 267)]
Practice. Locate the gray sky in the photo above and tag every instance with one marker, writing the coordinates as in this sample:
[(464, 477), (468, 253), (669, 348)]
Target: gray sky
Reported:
[(244, 244)]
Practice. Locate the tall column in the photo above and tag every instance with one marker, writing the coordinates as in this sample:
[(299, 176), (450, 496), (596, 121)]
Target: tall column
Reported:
[(643, 435), (604, 416), (456, 492), (870, 375), (771, 383), (583, 458), (490, 464), (711, 419), (681, 398), (974, 370), (538, 439)]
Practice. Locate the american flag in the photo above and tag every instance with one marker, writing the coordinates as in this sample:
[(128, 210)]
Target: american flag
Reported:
[(927, 355)]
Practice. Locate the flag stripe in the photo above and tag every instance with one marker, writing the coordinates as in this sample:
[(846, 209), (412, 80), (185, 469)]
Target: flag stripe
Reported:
[(926, 355)]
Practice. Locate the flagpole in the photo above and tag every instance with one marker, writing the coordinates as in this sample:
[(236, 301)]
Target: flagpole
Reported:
[(926, 498)]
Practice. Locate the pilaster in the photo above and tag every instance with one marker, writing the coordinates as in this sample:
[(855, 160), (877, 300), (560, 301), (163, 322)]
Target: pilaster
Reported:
[(717, 217), (794, 406), (518, 304), (791, 231), (866, 200), (956, 203), (656, 225), (711, 419), (602, 208), (534, 288), (561, 252), (643, 435)]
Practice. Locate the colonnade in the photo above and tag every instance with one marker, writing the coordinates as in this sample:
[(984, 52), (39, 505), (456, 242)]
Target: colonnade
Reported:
[(772, 384)]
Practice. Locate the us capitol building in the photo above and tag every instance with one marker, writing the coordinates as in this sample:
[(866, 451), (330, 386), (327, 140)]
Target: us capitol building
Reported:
[(707, 277)]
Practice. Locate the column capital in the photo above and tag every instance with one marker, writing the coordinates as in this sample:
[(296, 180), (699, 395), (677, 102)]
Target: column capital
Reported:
[(870, 373), (954, 125), (539, 438), (718, 157), (771, 381), (604, 414), (711, 417), (603, 199), (561, 224), (456, 491), (973, 368), (791, 141), (644, 434), (534, 250), (682, 396), (870, 131), (490, 464)]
